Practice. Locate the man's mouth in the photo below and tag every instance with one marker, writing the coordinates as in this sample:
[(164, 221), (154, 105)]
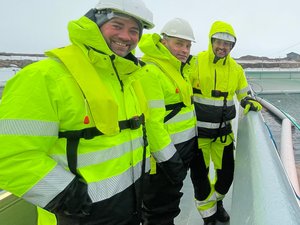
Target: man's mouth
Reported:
[(121, 44)]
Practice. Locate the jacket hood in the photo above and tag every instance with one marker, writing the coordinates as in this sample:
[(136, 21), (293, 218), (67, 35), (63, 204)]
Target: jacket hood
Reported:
[(151, 46), (84, 32), (219, 26)]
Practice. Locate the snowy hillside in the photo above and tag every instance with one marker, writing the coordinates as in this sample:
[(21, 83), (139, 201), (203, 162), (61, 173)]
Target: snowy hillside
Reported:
[(10, 63)]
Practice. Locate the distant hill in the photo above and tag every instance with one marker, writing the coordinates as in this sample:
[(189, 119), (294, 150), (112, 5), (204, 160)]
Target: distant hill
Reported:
[(251, 57), (18, 60), (250, 61), (292, 60)]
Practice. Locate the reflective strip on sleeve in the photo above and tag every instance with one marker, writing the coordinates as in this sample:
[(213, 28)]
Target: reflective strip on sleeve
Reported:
[(100, 156), (28, 127), (107, 188), (243, 91), (212, 102), (49, 187), (58, 179), (164, 154), (181, 117), (156, 104), (183, 135)]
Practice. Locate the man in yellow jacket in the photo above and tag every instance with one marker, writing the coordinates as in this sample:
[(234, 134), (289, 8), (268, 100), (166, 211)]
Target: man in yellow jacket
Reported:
[(217, 79), (72, 133), (171, 127)]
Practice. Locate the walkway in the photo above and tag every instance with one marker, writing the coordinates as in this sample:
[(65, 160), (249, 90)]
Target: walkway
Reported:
[(189, 214)]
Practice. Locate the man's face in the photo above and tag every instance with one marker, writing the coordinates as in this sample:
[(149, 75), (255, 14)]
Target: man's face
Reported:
[(180, 48), (221, 48), (121, 35)]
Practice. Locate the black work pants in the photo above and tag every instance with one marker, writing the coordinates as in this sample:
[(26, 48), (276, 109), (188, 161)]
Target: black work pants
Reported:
[(200, 173), (161, 197), (120, 209), (63, 220)]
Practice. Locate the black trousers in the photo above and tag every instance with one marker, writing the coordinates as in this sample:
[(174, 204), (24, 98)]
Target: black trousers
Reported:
[(161, 197), (200, 176), (64, 220), (121, 209)]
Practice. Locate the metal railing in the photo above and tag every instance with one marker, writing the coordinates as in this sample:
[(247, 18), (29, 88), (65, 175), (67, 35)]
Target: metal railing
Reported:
[(262, 192)]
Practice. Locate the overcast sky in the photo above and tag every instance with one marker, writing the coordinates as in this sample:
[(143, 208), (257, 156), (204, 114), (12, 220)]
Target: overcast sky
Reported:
[(263, 27)]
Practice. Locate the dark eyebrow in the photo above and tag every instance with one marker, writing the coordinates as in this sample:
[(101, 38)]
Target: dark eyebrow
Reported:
[(117, 21)]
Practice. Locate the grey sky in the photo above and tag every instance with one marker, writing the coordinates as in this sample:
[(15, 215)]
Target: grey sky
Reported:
[(263, 27)]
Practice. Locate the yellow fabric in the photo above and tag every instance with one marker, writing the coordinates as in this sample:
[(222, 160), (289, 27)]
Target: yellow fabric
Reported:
[(103, 107), (220, 26), (230, 76), (138, 89), (160, 90), (214, 149), (158, 54), (42, 99), (256, 104), (207, 203), (45, 217), (185, 90), (152, 165)]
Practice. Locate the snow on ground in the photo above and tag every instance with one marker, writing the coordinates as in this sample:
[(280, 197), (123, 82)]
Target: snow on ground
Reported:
[(7, 73), (20, 57)]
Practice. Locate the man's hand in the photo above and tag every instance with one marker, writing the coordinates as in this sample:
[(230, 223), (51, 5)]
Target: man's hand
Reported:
[(250, 104)]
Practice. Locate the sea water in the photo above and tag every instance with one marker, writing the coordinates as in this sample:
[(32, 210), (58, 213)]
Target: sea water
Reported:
[(290, 104)]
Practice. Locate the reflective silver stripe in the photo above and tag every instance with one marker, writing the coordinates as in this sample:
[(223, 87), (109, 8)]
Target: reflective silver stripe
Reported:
[(181, 117), (58, 179), (156, 104), (105, 189), (243, 91), (203, 209), (209, 125), (212, 102), (49, 187), (183, 135), (28, 127), (165, 154), (99, 156)]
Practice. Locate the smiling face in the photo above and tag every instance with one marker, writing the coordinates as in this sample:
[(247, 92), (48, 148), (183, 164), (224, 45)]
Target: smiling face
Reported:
[(221, 48), (121, 35)]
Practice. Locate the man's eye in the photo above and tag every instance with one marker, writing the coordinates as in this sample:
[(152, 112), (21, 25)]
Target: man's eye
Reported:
[(134, 32), (117, 27)]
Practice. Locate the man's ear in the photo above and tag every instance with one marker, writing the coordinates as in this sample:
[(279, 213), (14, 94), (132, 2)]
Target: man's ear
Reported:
[(163, 41)]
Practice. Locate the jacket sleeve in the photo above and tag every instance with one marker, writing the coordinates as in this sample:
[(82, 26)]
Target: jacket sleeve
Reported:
[(28, 129), (161, 146), (193, 71), (243, 88)]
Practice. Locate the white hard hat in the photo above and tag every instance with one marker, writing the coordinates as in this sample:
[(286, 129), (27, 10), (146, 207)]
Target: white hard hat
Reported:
[(179, 28), (134, 8), (224, 36)]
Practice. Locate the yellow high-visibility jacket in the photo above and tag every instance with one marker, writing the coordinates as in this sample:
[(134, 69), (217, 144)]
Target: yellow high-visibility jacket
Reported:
[(214, 85), (44, 99), (166, 85)]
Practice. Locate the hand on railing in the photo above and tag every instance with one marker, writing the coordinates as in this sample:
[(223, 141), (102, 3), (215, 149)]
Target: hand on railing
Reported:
[(250, 104)]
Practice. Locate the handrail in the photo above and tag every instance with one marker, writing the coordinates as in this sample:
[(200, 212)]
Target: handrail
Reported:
[(262, 193), (286, 150), (287, 154)]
